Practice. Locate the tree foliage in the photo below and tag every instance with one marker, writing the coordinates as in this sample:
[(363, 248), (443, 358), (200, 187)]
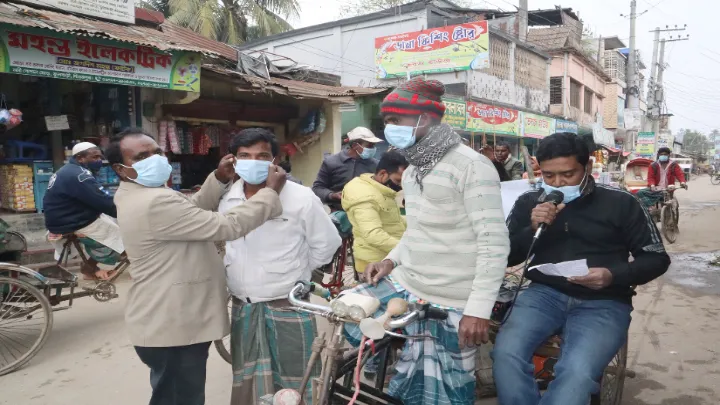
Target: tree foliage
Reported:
[(355, 8), (229, 21), (695, 142)]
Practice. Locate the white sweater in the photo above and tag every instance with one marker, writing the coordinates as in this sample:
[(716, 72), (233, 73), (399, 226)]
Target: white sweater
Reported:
[(454, 252)]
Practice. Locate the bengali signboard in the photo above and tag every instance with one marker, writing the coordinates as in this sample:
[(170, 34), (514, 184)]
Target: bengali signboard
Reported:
[(36, 52), (665, 140), (437, 50), (455, 114), (492, 119), (566, 126), (645, 146), (537, 126), (115, 10)]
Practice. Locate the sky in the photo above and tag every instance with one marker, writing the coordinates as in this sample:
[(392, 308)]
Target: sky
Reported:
[(692, 76)]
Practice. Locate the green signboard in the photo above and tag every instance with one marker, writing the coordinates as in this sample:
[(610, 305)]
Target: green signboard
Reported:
[(44, 53), (455, 113)]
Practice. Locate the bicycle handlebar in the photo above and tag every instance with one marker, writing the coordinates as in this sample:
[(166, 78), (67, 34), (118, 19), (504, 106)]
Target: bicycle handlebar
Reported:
[(419, 312)]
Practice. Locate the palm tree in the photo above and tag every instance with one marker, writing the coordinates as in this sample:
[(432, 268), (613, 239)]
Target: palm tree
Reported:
[(234, 21)]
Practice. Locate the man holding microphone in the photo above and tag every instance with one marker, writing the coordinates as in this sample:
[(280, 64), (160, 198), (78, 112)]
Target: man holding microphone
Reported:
[(600, 224)]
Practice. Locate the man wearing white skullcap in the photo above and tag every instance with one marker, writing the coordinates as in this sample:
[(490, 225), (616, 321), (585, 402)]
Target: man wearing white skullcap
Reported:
[(76, 202)]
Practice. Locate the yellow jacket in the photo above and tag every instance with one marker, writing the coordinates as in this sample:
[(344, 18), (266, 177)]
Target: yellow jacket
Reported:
[(375, 217)]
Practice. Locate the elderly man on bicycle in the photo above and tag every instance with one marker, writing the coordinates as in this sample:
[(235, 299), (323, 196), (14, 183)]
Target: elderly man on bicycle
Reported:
[(665, 172), (595, 223)]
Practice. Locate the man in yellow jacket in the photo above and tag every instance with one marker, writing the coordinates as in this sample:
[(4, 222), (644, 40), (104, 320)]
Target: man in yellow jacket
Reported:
[(371, 206)]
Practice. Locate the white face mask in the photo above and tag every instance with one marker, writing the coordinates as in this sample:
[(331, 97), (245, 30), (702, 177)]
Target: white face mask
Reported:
[(400, 136), (152, 172)]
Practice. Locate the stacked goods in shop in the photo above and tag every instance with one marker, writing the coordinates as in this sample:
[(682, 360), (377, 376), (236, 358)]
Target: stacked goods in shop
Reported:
[(16, 187), (176, 176)]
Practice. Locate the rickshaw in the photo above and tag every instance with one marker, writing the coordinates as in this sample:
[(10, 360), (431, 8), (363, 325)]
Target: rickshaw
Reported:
[(661, 205), (340, 376), (29, 297)]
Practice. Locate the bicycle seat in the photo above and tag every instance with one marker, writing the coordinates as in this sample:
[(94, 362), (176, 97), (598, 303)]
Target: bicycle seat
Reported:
[(342, 223)]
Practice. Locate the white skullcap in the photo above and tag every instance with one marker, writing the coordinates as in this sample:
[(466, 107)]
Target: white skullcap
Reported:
[(82, 147)]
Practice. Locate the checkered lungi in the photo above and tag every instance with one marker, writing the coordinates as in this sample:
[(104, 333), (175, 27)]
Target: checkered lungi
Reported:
[(271, 347), (429, 371)]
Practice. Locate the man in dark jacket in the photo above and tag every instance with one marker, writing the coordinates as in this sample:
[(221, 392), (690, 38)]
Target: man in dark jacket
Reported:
[(599, 224), (76, 202), (338, 169)]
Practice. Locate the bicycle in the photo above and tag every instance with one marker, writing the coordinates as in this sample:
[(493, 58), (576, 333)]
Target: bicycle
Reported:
[(715, 178), (28, 299), (339, 362), (667, 213)]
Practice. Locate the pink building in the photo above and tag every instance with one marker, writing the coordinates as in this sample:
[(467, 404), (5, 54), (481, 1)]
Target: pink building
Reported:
[(577, 81)]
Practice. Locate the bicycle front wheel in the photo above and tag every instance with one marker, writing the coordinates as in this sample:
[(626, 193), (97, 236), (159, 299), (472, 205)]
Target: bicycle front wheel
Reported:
[(224, 345), (715, 179), (669, 221), (26, 319)]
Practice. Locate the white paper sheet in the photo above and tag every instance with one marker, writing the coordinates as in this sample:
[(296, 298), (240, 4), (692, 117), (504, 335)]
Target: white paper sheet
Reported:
[(575, 268), (510, 191)]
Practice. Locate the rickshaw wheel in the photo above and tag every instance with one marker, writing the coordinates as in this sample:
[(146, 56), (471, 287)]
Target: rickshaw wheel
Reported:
[(669, 222), (613, 380), (26, 319), (223, 345)]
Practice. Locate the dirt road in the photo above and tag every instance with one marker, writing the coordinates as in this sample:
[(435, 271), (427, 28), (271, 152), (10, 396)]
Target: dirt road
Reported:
[(673, 339)]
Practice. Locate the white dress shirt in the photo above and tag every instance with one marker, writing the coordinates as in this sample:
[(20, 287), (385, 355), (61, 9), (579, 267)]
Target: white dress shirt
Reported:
[(267, 262)]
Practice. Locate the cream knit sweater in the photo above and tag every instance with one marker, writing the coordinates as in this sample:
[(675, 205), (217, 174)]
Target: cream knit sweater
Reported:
[(455, 249)]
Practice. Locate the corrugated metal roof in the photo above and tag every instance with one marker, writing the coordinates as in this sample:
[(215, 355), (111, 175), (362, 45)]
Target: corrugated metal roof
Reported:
[(298, 89), (166, 37)]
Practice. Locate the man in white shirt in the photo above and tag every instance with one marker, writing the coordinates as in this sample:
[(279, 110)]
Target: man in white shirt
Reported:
[(271, 345)]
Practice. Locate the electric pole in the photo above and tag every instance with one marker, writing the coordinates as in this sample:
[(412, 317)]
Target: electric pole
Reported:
[(660, 91), (633, 101)]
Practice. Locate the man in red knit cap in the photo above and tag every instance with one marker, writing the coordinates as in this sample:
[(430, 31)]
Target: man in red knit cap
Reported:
[(453, 254)]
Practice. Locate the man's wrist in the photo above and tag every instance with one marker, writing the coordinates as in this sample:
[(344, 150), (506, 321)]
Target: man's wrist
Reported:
[(218, 178), (392, 262)]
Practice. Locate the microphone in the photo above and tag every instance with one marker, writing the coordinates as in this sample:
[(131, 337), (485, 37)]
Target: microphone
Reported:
[(556, 197)]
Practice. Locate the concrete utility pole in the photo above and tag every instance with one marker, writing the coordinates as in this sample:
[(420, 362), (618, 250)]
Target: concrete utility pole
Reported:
[(656, 96), (523, 20), (653, 69), (633, 99), (659, 94)]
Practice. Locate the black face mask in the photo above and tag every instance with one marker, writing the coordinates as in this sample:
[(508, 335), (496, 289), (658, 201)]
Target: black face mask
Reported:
[(392, 186)]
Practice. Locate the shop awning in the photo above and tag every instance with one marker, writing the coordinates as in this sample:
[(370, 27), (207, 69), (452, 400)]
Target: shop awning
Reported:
[(616, 151), (297, 89), (151, 29)]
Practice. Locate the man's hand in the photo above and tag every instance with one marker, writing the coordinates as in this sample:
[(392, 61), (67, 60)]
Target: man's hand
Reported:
[(336, 196), (473, 331), (684, 185), (375, 272), (598, 278), (544, 213), (276, 178), (226, 169)]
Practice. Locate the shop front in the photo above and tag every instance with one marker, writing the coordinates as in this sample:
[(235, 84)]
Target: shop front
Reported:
[(305, 117), (75, 80)]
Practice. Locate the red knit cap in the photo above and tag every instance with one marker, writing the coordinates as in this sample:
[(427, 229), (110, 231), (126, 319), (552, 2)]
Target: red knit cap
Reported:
[(415, 97)]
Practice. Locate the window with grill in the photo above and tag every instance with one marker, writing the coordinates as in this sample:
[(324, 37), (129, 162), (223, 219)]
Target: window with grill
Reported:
[(556, 90), (575, 93), (588, 101)]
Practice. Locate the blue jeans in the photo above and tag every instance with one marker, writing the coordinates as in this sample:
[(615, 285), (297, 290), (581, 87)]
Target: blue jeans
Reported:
[(592, 331)]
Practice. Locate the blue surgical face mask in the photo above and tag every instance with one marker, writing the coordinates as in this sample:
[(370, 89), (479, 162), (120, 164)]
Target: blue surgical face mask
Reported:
[(152, 172), (252, 171), (95, 165), (571, 193), (400, 136), (664, 158), (368, 153)]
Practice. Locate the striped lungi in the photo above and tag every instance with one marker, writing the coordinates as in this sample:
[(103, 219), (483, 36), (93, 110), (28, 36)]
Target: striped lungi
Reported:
[(271, 347), (429, 371)]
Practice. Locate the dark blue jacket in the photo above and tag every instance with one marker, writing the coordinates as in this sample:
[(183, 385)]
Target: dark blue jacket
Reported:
[(75, 199)]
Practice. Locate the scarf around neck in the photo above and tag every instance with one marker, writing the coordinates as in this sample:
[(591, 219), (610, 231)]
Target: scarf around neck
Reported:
[(427, 152)]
